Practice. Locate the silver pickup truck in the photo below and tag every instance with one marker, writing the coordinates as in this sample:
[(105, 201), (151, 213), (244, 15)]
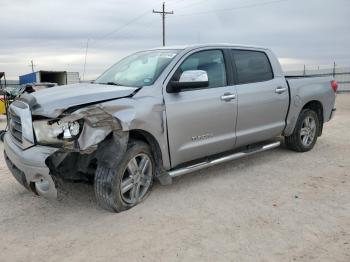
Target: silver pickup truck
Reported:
[(162, 113)]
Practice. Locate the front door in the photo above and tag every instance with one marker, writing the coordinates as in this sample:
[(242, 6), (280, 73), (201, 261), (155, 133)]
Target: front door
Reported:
[(201, 122)]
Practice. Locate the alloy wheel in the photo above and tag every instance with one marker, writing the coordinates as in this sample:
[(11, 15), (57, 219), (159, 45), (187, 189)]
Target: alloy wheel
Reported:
[(137, 178), (308, 131)]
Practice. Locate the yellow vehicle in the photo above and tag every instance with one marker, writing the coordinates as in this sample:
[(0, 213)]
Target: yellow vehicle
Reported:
[(2, 97), (2, 105)]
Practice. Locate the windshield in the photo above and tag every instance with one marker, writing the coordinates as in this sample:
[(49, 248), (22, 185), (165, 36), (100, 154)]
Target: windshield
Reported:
[(139, 69)]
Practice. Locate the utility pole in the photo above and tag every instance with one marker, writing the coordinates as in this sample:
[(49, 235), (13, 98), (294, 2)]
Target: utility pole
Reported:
[(32, 65), (163, 13), (86, 53)]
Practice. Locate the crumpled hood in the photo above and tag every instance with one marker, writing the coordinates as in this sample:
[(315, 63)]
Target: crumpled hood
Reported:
[(51, 102)]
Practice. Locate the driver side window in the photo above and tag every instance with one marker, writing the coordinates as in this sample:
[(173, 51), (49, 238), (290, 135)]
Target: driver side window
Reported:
[(211, 61)]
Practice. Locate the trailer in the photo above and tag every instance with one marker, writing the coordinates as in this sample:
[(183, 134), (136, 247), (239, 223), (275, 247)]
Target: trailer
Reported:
[(58, 77)]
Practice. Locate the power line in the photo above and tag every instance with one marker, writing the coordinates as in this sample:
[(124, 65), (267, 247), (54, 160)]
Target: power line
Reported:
[(124, 25), (110, 33), (234, 8), (163, 13), (192, 4)]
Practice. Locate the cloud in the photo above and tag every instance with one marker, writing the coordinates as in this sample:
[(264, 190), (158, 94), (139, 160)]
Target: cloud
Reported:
[(54, 33)]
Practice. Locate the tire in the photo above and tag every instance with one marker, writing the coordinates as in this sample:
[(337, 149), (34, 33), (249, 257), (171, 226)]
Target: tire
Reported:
[(135, 170), (2, 135), (304, 136)]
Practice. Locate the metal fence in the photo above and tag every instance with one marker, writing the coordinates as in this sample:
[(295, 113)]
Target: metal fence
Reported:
[(340, 74)]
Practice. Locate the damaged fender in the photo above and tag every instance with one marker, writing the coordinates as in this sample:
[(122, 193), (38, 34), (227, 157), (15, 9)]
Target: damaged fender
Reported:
[(105, 133), (98, 124)]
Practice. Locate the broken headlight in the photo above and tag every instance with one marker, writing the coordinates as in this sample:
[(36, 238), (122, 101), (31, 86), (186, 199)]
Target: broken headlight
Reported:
[(70, 129), (55, 132)]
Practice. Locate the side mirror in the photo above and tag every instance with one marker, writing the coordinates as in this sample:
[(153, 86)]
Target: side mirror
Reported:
[(188, 80)]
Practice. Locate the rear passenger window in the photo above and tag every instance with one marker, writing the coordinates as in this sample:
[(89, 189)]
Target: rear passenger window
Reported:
[(252, 66)]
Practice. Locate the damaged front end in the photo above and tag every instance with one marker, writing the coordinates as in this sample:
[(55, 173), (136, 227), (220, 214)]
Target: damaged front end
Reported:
[(70, 139), (65, 148), (86, 138), (80, 131), (63, 140)]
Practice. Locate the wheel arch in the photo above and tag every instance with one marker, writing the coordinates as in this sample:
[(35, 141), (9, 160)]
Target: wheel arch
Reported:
[(316, 106), (149, 139), (295, 110)]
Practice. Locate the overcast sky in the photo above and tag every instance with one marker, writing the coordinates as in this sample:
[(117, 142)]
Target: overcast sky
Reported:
[(54, 33)]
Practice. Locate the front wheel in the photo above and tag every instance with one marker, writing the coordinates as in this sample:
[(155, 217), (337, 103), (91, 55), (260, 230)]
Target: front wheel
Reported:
[(2, 135), (129, 183), (305, 132)]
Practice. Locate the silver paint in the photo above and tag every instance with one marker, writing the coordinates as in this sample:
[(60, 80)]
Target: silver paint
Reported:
[(32, 163), (234, 116)]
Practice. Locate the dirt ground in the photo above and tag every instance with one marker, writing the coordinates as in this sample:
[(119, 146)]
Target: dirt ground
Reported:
[(274, 206)]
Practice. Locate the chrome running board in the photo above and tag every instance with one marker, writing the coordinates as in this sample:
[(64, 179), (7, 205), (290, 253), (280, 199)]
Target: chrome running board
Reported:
[(192, 168)]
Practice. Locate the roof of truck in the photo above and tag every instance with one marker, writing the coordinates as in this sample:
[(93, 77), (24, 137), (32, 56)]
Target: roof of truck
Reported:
[(193, 46)]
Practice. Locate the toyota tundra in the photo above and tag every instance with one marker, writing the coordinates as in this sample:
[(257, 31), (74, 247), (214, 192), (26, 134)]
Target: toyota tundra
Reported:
[(162, 113)]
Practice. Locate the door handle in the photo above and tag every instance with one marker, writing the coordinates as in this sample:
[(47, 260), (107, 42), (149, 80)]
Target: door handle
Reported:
[(227, 97), (280, 90)]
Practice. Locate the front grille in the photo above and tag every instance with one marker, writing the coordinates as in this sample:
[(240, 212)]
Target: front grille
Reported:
[(15, 126), (20, 124)]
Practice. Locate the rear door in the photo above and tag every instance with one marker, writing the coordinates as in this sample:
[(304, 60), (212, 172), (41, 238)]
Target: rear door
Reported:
[(201, 122), (263, 98)]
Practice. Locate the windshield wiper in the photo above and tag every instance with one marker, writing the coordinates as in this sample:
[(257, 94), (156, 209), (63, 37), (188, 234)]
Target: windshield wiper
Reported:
[(111, 83), (114, 84)]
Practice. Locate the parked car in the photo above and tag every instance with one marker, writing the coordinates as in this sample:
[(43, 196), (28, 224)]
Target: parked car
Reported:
[(34, 87), (161, 113)]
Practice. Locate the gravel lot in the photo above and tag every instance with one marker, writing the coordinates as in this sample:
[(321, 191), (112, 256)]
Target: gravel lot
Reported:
[(274, 206)]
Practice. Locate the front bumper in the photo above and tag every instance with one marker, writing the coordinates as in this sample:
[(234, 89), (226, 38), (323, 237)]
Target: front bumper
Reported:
[(29, 168)]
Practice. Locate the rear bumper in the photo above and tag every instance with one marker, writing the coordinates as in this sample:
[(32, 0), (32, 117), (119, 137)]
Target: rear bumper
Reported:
[(29, 168)]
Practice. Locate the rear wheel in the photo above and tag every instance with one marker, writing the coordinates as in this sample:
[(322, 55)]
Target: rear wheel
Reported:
[(130, 183), (305, 132)]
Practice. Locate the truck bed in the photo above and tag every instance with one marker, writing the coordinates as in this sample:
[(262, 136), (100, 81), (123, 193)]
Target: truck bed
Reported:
[(304, 90)]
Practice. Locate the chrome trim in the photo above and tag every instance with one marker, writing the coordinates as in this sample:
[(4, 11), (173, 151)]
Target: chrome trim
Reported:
[(192, 168), (228, 97), (280, 90)]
